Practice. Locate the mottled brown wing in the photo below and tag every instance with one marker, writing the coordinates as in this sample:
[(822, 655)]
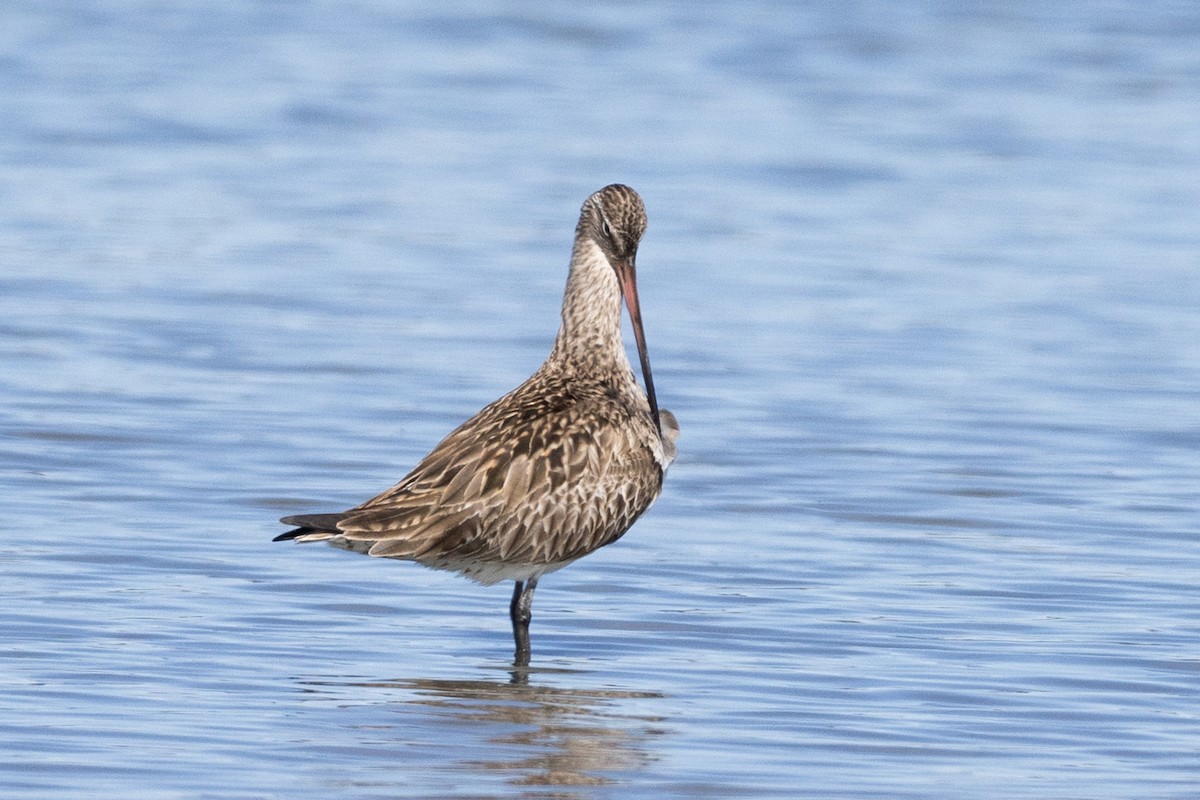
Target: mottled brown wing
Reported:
[(541, 479)]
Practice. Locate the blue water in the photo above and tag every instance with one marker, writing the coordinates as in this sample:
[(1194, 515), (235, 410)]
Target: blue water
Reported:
[(921, 283)]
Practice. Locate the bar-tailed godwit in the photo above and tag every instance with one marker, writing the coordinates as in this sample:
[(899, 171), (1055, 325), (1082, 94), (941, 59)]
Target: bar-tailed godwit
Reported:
[(560, 466)]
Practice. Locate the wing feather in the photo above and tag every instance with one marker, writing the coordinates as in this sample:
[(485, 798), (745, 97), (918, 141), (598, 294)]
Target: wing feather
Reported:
[(544, 475)]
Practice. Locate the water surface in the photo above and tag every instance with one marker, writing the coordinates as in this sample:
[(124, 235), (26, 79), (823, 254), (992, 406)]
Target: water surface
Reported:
[(920, 284)]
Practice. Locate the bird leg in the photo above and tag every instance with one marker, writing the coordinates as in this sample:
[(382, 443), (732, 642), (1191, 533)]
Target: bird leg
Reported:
[(521, 611)]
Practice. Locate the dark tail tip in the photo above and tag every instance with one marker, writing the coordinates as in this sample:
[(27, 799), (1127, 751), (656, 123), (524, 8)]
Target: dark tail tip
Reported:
[(309, 523), (284, 537)]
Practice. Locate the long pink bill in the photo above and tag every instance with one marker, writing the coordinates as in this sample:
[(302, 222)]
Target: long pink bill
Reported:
[(627, 274)]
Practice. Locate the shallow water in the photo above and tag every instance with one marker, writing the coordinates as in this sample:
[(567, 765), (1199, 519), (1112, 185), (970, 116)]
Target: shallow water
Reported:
[(921, 285)]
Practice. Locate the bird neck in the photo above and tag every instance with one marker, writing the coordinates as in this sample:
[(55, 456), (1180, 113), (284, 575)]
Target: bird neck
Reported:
[(590, 336)]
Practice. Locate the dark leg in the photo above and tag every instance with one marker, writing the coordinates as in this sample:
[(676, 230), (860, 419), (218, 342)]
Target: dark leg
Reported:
[(520, 611)]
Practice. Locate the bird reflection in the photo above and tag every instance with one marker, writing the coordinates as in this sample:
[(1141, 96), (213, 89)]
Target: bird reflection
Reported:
[(547, 738)]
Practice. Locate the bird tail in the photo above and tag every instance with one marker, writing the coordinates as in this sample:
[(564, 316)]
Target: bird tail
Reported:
[(310, 525)]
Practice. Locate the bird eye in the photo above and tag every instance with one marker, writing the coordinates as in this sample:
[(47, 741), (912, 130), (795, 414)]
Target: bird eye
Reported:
[(605, 227)]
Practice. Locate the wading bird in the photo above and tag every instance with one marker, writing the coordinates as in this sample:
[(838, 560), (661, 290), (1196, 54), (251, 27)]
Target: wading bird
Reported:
[(555, 469)]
